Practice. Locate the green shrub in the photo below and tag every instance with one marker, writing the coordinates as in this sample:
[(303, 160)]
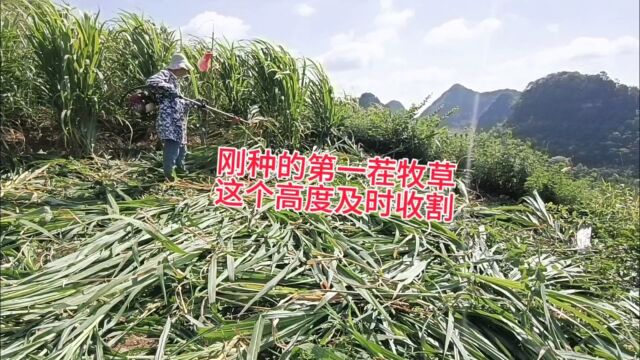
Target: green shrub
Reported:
[(402, 134), (555, 184), (377, 129), (447, 145), (614, 212), (501, 164)]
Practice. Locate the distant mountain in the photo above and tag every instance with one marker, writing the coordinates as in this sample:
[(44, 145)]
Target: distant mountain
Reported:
[(498, 112), (489, 112), (368, 99), (395, 106), (590, 118)]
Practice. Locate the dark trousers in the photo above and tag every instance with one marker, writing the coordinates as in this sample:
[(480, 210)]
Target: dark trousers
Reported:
[(173, 154)]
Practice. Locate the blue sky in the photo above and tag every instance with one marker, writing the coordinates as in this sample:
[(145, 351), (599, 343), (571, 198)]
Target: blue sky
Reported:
[(408, 49)]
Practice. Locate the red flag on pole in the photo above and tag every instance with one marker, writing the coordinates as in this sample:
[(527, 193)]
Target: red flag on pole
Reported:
[(205, 62)]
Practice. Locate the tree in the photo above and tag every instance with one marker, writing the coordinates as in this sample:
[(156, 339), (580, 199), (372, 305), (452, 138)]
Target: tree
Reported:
[(591, 118)]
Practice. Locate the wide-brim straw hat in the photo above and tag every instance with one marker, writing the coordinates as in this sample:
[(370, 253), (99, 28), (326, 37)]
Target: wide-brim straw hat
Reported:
[(179, 61)]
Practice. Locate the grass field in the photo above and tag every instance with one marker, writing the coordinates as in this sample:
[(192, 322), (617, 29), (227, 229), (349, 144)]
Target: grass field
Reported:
[(99, 258)]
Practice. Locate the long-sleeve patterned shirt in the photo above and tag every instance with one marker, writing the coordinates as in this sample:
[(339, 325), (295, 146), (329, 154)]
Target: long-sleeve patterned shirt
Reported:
[(172, 116)]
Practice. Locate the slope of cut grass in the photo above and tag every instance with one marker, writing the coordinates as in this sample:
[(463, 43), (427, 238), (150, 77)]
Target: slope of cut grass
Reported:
[(99, 259)]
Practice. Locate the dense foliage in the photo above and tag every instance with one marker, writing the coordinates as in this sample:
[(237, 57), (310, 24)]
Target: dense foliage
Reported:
[(82, 77), (588, 117)]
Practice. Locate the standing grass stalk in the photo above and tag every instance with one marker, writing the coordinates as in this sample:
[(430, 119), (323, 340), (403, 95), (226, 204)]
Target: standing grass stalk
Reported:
[(69, 51)]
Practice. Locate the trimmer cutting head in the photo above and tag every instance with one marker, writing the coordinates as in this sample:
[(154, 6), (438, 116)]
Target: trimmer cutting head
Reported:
[(140, 102)]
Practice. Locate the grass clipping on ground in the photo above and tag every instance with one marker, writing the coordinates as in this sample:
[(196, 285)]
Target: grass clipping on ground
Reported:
[(100, 259)]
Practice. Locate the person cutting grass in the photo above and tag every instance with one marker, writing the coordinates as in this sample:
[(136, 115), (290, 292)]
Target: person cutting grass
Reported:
[(172, 115), (173, 110)]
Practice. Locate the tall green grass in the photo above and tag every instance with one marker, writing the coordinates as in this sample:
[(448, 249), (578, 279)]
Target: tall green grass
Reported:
[(82, 73), (326, 115), (69, 52), (257, 78), (149, 47), (278, 83), (16, 71)]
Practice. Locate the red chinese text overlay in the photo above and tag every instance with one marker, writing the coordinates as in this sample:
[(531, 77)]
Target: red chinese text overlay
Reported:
[(304, 183)]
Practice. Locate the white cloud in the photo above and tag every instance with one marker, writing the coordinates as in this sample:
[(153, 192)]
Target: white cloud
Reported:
[(230, 27), (349, 51), (305, 9), (461, 29), (588, 55), (553, 28), (390, 18), (588, 48), (386, 5)]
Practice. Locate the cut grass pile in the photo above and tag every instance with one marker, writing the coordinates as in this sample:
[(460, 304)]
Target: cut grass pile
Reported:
[(101, 260)]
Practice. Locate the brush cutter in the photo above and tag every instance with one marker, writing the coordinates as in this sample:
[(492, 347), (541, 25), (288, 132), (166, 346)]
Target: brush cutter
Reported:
[(204, 105), (142, 104)]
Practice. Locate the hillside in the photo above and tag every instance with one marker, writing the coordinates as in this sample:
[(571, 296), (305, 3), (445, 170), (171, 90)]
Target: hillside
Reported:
[(395, 106), (498, 112), (590, 118), (464, 99), (368, 99)]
